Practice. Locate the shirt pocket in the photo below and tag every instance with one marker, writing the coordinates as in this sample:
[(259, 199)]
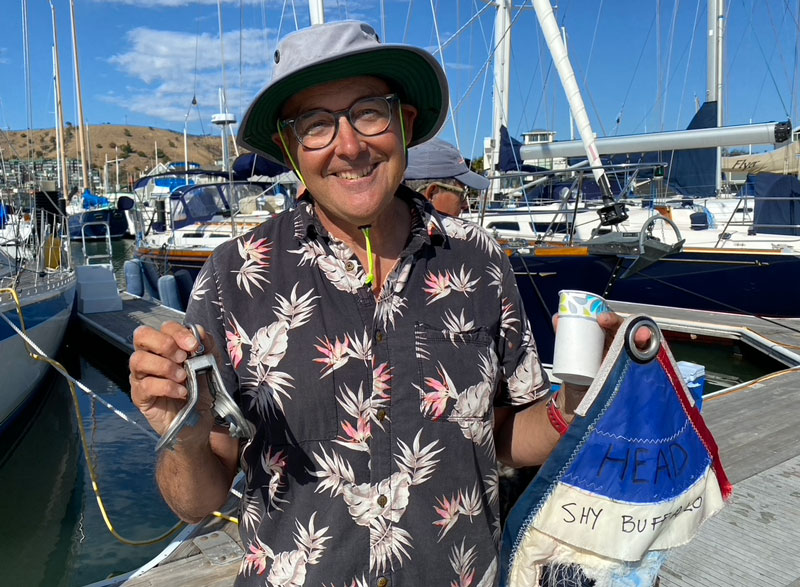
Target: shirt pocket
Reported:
[(457, 373)]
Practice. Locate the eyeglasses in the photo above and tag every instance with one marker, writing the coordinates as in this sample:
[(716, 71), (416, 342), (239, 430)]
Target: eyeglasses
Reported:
[(460, 190), (317, 129)]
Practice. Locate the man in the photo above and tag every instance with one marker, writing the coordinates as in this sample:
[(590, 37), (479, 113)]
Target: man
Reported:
[(382, 353), (437, 170)]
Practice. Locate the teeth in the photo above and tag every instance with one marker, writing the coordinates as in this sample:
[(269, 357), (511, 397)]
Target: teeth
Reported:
[(355, 173)]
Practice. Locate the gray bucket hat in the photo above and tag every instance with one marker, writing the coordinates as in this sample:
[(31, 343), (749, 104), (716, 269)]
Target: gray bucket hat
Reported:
[(340, 50), (438, 159)]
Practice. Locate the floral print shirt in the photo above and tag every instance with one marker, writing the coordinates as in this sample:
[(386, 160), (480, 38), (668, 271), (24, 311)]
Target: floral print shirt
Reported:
[(373, 461)]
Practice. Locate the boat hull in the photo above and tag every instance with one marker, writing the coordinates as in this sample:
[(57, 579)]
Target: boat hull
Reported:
[(46, 310), (165, 260), (739, 282), (86, 224)]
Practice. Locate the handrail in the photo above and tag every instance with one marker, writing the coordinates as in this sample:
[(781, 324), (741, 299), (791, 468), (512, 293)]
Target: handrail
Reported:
[(88, 259)]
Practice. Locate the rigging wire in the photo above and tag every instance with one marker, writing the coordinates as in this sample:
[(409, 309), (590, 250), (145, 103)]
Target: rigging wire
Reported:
[(441, 58), (36, 353), (688, 62), (408, 21), (633, 76), (26, 58), (670, 45), (594, 38), (294, 13)]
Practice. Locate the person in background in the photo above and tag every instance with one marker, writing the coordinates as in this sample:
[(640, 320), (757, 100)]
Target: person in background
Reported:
[(438, 171), (380, 350)]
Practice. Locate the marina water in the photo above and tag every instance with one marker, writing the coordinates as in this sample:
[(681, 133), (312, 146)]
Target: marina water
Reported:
[(51, 529), (52, 533)]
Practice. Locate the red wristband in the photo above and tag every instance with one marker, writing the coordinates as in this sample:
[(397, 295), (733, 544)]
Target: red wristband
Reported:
[(555, 416)]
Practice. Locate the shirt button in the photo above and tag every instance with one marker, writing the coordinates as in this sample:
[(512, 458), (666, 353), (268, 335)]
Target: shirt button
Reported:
[(382, 500), (379, 336), (381, 415), (383, 582), (349, 266)]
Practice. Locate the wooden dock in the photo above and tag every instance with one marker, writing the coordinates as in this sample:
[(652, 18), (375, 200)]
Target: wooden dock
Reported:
[(754, 541)]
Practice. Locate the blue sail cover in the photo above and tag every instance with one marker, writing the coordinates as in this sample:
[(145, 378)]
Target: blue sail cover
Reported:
[(91, 201), (635, 475), (777, 203), (690, 172), (248, 165), (510, 158)]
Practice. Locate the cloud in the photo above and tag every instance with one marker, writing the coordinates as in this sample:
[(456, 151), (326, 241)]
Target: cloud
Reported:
[(168, 68), (459, 66), (3, 55)]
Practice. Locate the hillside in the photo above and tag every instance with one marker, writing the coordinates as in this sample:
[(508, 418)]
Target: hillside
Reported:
[(135, 146)]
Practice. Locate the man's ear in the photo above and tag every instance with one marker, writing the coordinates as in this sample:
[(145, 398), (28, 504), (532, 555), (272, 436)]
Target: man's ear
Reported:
[(409, 114), (287, 160), (431, 191)]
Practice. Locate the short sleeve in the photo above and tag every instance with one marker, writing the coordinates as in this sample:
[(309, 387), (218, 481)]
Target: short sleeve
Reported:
[(522, 378), (205, 308)]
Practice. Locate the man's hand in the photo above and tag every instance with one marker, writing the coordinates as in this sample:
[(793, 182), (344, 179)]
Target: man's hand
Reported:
[(610, 323), (158, 380)]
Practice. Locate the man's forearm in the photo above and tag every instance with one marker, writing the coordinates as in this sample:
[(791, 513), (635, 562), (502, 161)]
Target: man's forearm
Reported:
[(194, 480), (527, 438)]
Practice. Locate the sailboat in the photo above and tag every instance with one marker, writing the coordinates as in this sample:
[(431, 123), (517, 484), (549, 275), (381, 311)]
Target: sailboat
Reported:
[(182, 214), (91, 217), (37, 286), (712, 253)]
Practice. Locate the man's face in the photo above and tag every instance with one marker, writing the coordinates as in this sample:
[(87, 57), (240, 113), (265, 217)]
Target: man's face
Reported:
[(450, 201), (353, 179)]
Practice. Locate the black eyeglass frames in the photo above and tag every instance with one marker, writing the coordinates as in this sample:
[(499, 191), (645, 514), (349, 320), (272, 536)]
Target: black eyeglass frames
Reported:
[(316, 129)]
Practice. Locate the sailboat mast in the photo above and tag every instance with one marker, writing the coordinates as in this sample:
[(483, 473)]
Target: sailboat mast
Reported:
[(62, 159), (81, 127), (501, 74), (316, 9), (714, 51), (552, 35)]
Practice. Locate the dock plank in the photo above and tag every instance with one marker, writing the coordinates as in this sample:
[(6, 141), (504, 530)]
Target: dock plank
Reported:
[(753, 541)]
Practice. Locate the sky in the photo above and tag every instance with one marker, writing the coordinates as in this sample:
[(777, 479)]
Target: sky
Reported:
[(641, 65)]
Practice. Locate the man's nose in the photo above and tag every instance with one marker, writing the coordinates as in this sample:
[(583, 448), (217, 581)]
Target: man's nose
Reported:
[(348, 142)]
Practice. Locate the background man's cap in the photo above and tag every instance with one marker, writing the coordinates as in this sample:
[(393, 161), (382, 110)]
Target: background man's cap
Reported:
[(438, 159), (340, 50)]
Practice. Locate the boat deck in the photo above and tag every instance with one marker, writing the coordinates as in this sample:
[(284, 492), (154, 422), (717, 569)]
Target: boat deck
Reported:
[(755, 540)]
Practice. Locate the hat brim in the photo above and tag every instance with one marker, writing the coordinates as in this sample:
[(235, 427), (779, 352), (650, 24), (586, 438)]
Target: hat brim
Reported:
[(473, 180), (416, 75)]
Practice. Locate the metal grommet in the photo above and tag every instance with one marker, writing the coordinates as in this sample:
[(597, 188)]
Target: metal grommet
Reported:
[(647, 354)]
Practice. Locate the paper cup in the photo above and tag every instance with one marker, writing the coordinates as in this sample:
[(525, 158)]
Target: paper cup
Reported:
[(579, 339)]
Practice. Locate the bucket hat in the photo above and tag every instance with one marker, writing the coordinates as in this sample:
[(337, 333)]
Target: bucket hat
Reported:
[(438, 159), (339, 50)]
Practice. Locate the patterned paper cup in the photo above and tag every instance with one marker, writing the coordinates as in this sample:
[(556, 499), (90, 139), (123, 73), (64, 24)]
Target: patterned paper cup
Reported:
[(579, 339)]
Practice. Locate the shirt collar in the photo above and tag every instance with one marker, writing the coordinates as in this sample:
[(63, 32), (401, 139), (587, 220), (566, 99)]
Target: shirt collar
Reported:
[(426, 224)]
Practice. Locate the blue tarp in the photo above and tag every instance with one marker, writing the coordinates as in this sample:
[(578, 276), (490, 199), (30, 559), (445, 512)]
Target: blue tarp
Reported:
[(3, 215)]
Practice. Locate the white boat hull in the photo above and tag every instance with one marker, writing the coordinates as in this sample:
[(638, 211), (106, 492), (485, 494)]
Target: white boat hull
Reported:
[(47, 310)]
